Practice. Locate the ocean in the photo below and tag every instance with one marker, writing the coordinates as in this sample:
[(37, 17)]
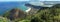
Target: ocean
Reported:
[(6, 6)]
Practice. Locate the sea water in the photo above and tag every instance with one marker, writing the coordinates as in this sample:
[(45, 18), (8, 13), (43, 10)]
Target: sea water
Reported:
[(6, 6)]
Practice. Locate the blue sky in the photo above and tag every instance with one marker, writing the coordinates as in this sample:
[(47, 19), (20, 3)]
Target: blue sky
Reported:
[(28, 0), (14, 0)]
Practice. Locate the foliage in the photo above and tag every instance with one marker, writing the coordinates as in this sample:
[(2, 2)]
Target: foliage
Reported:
[(2, 19), (46, 15), (25, 21), (6, 14)]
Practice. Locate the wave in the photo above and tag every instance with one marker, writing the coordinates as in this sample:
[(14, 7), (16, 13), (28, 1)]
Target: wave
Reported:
[(28, 9)]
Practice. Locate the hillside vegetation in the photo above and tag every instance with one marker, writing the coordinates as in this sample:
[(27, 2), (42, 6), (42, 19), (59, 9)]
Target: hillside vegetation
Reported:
[(48, 15), (51, 14)]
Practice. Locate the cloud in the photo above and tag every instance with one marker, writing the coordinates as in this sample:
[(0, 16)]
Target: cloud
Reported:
[(49, 0)]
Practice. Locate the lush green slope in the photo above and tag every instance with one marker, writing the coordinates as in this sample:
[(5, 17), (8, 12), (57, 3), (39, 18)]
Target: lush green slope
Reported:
[(46, 15)]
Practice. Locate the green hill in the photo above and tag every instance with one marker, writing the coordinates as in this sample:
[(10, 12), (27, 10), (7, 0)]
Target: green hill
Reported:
[(48, 15), (51, 14)]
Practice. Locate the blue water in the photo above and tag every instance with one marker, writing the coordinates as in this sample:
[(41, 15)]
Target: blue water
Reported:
[(6, 6), (22, 8)]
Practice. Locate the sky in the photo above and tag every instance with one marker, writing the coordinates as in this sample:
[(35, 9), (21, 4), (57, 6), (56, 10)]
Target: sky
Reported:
[(12, 0), (28, 0), (49, 0)]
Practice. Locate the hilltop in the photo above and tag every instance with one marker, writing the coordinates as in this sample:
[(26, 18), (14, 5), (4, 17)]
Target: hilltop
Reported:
[(14, 14)]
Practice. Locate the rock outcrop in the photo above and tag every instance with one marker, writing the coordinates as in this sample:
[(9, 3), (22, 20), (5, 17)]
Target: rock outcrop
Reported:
[(15, 14)]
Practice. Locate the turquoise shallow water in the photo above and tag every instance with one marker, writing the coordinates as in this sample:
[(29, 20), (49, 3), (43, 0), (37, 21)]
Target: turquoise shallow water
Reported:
[(23, 8)]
